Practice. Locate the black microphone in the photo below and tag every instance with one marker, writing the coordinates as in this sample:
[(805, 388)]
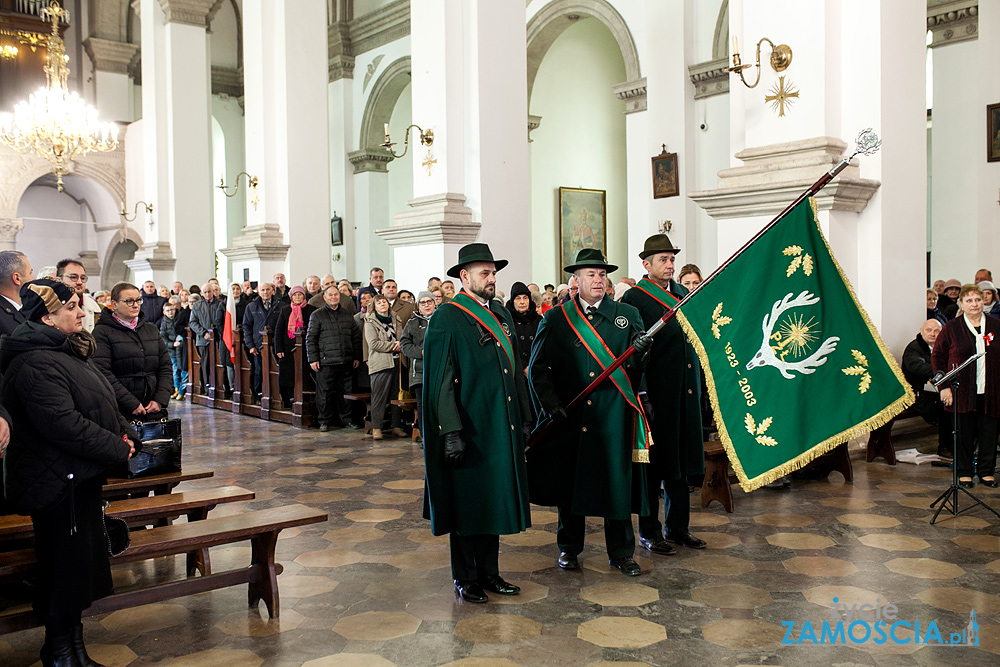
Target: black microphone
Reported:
[(936, 378)]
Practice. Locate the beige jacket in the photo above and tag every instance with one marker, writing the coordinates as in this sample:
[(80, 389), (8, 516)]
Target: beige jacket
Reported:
[(380, 348)]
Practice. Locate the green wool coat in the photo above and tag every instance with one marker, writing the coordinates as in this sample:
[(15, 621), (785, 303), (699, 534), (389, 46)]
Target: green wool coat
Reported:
[(673, 387), (585, 462), (470, 387)]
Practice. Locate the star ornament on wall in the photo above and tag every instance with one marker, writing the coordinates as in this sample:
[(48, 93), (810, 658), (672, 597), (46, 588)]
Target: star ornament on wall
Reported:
[(428, 162), (782, 96)]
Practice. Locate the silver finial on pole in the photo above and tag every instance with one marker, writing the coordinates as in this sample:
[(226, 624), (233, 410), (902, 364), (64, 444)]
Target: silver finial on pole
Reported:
[(867, 143)]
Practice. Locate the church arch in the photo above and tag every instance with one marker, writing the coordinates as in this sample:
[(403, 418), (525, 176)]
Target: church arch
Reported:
[(385, 93), (552, 19), (720, 43), (119, 251)]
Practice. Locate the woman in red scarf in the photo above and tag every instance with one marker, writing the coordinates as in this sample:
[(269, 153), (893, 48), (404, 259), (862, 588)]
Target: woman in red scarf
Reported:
[(292, 319)]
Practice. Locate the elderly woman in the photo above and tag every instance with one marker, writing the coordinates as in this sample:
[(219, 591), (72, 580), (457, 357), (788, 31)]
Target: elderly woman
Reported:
[(933, 311), (383, 359), (66, 431), (978, 398), (411, 344), (526, 320), (292, 319), (133, 356), (991, 305)]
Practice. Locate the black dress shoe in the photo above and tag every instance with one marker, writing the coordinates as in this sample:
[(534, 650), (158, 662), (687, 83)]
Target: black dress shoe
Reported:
[(991, 483), (568, 561), (965, 484), (687, 540), (352, 426), (470, 591), (657, 546), (628, 566), (496, 584)]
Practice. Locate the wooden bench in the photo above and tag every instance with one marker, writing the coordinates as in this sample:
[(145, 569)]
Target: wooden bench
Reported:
[(260, 527), (367, 399), (158, 484), (411, 405)]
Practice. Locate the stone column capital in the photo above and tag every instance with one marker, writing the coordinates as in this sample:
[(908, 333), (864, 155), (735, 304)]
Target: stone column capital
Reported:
[(153, 256), (110, 56), (440, 218), (258, 242), (198, 13), (9, 229), (368, 159), (533, 124), (952, 21), (709, 78), (633, 94)]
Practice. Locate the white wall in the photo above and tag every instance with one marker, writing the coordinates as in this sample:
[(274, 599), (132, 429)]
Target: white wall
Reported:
[(48, 235), (400, 179), (580, 142)]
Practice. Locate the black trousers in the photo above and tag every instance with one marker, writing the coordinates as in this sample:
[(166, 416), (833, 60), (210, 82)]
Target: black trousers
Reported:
[(332, 382), (976, 428), (618, 535), (384, 388), (676, 509), (474, 556), (206, 365), (256, 370)]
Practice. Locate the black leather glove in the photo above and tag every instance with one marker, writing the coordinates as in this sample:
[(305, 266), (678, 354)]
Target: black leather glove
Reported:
[(558, 414), (454, 449), (642, 343)]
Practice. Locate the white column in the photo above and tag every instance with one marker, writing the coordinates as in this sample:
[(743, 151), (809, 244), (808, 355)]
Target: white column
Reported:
[(287, 136), (114, 97), (475, 102), (178, 137)]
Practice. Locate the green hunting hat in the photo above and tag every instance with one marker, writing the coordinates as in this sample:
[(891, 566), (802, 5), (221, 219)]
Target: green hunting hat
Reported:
[(475, 252), (657, 243), (590, 258)]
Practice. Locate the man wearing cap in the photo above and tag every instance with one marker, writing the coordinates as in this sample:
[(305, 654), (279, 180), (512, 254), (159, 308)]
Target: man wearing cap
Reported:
[(584, 464), (474, 412), (673, 394)]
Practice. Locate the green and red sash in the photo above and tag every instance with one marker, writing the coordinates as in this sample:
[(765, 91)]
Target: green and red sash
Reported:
[(603, 355), (488, 319), (657, 293)]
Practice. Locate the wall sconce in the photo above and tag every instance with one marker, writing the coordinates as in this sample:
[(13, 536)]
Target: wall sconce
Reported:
[(664, 226), (781, 58), (426, 139), (135, 213), (8, 52), (251, 181)]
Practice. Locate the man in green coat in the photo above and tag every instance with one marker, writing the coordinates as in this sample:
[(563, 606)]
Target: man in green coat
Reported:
[(673, 392), (473, 427), (585, 464)]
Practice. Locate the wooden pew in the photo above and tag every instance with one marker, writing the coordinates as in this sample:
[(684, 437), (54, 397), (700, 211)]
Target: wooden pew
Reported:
[(409, 404), (158, 484), (260, 527), (367, 400)]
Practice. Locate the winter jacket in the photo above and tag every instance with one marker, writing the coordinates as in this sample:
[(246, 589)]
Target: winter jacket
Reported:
[(380, 346), (525, 327), (282, 343), (135, 362), (206, 317), (256, 319), (333, 337), (152, 307), (411, 344), (64, 418), (171, 331)]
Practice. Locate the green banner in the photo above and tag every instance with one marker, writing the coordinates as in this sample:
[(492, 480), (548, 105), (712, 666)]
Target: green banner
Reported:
[(793, 365)]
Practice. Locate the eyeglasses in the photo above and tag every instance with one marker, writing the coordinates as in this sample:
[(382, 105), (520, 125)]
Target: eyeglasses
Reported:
[(72, 277), (425, 302), (132, 302)]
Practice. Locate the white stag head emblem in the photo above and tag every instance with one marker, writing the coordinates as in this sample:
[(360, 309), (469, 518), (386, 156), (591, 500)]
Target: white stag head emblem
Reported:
[(793, 339)]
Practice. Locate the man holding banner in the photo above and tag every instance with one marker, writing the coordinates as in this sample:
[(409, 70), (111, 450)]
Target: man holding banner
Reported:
[(673, 391), (475, 409), (584, 466)]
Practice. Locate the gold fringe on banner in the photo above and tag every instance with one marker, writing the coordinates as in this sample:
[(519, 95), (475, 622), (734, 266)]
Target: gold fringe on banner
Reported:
[(880, 419)]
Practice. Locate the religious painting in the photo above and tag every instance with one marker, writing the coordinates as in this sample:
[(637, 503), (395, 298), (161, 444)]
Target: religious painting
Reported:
[(665, 175), (582, 222), (336, 230), (993, 132)]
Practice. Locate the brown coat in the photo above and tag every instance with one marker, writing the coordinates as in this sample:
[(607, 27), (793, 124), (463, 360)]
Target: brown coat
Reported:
[(954, 345)]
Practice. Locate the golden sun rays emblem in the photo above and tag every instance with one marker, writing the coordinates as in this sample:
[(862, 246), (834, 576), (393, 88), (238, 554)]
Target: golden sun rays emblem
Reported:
[(795, 336), (782, 95)]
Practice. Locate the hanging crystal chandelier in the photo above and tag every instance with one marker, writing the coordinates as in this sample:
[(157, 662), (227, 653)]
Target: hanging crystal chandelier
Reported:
[(54, 123)]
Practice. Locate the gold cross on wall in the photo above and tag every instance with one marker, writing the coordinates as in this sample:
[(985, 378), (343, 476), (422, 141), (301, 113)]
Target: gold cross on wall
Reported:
[(781, 96), (428, 162)]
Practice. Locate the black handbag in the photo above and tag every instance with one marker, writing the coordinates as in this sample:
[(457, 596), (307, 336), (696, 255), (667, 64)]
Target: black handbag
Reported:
[(116, 533), (159, 449)]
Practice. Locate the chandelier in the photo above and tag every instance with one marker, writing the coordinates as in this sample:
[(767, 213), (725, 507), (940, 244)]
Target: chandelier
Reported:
[(54, 123)]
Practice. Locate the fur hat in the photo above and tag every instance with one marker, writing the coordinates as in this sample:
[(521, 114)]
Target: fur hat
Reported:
[(43, 297)]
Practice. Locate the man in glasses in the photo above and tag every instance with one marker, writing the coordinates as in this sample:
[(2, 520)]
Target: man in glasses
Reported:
[(72, 274)]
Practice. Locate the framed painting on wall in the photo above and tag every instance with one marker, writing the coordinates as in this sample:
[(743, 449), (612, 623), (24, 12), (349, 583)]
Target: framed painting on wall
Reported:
[(582, 222), (993, 132), (665, 175)]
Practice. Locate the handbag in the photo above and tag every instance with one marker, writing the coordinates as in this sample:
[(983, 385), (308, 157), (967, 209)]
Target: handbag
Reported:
[(159, 449), (116, 533)]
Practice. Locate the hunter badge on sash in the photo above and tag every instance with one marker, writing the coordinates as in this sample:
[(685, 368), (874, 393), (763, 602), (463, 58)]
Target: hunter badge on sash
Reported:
[(506, 329)]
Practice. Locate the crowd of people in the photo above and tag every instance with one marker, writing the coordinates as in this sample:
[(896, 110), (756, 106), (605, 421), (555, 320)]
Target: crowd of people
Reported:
[(962, 321)]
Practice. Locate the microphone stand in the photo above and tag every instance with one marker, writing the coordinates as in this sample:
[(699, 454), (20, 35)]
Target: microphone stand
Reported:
[(950, 496)]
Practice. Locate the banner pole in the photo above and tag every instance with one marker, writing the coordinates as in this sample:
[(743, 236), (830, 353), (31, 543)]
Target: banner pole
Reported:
[(867, 143)]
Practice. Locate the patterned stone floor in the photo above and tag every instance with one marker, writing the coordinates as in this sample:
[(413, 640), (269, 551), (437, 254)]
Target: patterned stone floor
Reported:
[(372, 586)]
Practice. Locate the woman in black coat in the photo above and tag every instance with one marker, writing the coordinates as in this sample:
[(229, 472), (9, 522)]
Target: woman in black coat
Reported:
[(526, 320), (298, 313), (66, 431), (132, 355)]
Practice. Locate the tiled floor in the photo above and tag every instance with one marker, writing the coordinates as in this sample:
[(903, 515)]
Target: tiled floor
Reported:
[(372, 586)]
